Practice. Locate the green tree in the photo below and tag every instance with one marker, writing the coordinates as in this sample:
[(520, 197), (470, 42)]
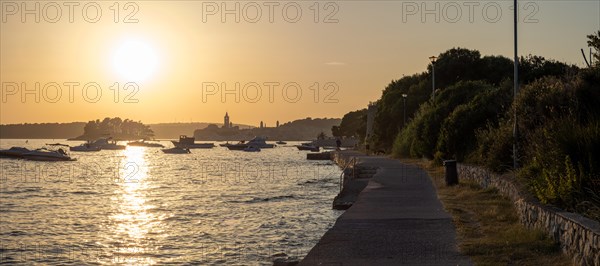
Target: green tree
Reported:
[(457, 134), (594, 42), (352, 125), (420, 137), (389, 118), (533, 67), (455, 65)]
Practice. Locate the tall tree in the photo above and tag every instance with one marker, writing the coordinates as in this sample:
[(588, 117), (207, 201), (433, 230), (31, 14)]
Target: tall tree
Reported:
[(594, 42)]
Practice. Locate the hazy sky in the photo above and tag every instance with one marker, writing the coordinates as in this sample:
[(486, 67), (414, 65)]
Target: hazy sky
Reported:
[(307, 58)]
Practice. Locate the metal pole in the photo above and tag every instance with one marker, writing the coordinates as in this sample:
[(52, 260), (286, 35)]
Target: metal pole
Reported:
[(404, 119), (433, 82), (515, 89)]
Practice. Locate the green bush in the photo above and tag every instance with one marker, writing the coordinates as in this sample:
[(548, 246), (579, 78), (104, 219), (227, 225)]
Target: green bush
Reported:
[(573, 182), (559, 141), (494, 147), (457, 134), (420, 137)]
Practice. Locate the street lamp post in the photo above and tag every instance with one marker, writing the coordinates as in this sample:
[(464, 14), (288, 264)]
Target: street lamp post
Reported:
[(432, 58), (515, 89), (404, 99)]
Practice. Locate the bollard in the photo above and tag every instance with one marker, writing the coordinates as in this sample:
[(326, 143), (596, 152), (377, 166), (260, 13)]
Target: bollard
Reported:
[(451, 173)]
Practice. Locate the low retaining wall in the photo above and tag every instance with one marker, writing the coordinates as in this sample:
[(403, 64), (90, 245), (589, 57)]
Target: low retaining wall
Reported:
[(579, 237), (354, 179)]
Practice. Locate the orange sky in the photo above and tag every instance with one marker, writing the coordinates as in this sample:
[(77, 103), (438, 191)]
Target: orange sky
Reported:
[(339, 59)]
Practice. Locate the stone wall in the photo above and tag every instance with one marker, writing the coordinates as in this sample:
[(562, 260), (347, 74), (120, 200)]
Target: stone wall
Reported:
[(579, 237)]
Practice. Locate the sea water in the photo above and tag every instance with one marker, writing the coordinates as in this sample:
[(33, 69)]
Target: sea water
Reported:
[(139, 206)]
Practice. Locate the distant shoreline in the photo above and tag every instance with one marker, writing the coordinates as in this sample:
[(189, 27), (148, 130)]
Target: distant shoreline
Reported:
[(162, 139), (297, 130)]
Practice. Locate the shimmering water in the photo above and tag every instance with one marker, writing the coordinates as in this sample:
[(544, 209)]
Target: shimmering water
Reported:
[(140, 206)]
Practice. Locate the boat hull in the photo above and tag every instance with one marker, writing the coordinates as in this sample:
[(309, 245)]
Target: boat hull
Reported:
[(44, 158), (194, 146), (237, 147), (85, 149), (307, 148), (14, 152)]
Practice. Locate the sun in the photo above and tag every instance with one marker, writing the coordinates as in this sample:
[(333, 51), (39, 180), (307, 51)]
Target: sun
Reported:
[(135, 60)]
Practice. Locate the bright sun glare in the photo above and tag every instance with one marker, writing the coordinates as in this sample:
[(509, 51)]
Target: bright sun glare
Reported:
[(135, 60)]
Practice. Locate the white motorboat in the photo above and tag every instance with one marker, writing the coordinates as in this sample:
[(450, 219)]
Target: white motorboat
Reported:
[(251, 149), (85, 148), (258, 142), (189, 143), (176, 150), (14, 152), (45, 154)]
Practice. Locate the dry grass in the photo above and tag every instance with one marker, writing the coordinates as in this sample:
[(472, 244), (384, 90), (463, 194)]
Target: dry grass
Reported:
[(488, 228)]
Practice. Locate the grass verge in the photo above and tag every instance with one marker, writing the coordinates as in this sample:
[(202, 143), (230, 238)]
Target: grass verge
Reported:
[(488, 229)]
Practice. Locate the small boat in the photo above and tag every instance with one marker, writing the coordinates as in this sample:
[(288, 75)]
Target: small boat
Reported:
[(14, 152), (307, 147), (176, 150), (45, 154), (189, 143), (85, 148), (225, 144), (251, 149), (259, 142), (143, 143), (281, 142), (108, 144)]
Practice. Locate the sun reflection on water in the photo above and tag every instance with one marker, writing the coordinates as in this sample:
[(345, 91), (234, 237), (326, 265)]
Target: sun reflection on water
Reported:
[(135, 227)]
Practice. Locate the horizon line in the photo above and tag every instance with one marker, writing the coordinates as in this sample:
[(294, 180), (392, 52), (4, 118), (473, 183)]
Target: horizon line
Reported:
[(154, 123)]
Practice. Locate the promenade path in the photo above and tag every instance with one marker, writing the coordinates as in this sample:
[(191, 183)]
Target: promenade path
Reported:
[(396, 220)]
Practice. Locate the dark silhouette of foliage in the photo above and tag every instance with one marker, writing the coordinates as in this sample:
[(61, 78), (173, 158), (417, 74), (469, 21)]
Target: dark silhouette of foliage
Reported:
[(533, 67), (452, 66), (594, 42), (117, 129), (353, 125), (457, 134), (421, 137), (390, 108)]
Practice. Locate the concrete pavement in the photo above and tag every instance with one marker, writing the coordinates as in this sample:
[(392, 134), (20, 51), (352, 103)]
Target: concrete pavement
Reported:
[(396, 220)]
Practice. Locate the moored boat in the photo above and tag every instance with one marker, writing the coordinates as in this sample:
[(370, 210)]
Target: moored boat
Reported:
[(259, 142), (189, 143), (86, 147), (108, 144), (45, 154), (225, 144), (14, 152), (307, 147)]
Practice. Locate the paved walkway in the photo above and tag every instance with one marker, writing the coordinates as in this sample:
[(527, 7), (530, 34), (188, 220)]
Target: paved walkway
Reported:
[(396, 220)]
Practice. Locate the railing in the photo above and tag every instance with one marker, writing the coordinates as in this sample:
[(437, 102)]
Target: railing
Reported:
[(351, 162)]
